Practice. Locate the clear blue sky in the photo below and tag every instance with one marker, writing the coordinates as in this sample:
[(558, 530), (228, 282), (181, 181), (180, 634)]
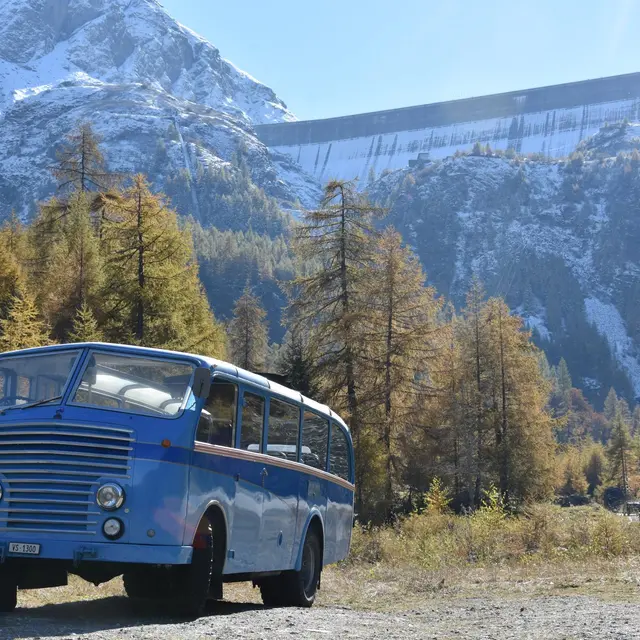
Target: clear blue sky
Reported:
[(335, 57)]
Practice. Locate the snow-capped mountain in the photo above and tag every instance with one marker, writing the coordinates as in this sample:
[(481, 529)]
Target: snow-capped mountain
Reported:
[(161, 97), (44, 42), (560, 239)]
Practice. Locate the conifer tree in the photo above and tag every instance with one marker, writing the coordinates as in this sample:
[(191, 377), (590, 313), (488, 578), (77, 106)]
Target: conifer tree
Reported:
[(338, 237), (403, 341), (75, 272), (296, 362), (450, 405), (248, 336), (152, 292), (518, 408), (330, 302), (623, 409), (11, 273), (80, 164), (564, 388), (619, 453), (85, 326), (611, 405), (22, 328), (635, 421), (475, 345), (595, 467)]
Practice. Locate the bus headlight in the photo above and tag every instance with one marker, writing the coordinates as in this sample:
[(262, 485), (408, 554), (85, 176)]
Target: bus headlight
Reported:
[(110, 496), (113, 528)]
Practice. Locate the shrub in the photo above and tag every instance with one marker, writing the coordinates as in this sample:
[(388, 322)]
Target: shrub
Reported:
[(437, 539)]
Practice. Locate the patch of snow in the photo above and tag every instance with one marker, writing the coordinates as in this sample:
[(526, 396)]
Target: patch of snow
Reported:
[(591, 383), (537, 323), (608, 322)]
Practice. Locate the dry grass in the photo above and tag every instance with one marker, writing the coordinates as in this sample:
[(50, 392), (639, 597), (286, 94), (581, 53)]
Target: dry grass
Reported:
[(548, 551)]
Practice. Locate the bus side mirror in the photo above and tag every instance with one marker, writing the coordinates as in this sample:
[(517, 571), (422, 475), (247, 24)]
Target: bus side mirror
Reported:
[(202, 382)]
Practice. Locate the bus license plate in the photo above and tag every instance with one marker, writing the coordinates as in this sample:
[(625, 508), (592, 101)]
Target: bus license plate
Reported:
[(26, 549)]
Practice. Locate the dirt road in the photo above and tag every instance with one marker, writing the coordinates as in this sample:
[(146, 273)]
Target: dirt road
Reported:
[(543, 617)]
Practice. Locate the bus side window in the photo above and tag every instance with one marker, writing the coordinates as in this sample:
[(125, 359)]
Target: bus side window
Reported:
[(315, 438), (339, 453), (252, 420), (282, 438), (217, 423)]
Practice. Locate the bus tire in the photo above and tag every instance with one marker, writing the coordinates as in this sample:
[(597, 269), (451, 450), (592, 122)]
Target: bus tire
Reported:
[(193, 581), (299, 588), (271, 590), (147, 584), (8, 593)]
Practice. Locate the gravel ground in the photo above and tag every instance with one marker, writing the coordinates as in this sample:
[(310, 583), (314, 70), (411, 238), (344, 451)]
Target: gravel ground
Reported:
[(543, 617)]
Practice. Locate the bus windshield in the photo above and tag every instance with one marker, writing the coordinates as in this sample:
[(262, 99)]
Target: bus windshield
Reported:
[(134, 384), (34, 378)]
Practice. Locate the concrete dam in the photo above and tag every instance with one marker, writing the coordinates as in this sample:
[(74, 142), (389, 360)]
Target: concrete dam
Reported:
[(549, 120)]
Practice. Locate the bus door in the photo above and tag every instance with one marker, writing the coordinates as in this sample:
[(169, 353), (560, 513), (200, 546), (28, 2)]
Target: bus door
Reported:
[(280, 508), (313, 453), (249, 476), (339, 521)]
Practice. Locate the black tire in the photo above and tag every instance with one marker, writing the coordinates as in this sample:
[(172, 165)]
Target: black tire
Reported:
[(192, 582), (271, 590), (296, 588), (150, 583), (301, 587), (8, 593)]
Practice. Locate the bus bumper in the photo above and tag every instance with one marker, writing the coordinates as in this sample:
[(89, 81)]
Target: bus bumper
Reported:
[(103, 552)]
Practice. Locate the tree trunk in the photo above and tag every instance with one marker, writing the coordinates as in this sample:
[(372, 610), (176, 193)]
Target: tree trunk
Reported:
[(141, 274), (503, 449)]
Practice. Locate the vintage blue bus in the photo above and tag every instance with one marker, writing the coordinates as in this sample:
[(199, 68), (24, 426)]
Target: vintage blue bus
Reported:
[(176, 471)]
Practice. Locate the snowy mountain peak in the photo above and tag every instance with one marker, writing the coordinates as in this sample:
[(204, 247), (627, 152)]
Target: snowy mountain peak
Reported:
[(46, 42)]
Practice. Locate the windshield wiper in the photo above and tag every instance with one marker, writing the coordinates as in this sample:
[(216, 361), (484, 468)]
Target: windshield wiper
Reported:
[(30, 405)]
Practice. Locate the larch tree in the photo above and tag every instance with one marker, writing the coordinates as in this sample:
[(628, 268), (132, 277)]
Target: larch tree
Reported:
[(619, 453), (611, 405), (80, 164), (564, 388), (635, 421), (76, 269), (475, 385), (403, 341), (330, 302), (338, 238), (152, 293), (296, 362), (447, 439), (11, 272), (85, 326), (22, 328), (517, 401), (248, 332)]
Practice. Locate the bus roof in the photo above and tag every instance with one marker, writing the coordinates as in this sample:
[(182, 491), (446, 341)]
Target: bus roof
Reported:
[(217, 365)]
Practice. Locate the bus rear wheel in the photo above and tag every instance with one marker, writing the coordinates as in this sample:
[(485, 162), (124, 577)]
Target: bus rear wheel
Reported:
[(8, 593), (296, 588)]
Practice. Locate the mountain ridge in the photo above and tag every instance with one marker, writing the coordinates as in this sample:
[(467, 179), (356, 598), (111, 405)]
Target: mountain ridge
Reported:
[(161, 97)]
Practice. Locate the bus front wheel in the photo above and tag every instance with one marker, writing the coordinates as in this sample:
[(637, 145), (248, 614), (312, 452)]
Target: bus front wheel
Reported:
[(296, 588), (192, 582), (8, 593)]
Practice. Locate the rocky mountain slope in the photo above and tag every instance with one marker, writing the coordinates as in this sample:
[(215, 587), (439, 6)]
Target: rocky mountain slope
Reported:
[(162, 98), (559, 239)]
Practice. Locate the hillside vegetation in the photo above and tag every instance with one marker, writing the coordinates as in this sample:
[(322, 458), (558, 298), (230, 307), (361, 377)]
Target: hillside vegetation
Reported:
[(460, 402)]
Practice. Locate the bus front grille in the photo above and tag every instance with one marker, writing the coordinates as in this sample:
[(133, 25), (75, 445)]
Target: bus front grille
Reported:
[(50, 473)]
